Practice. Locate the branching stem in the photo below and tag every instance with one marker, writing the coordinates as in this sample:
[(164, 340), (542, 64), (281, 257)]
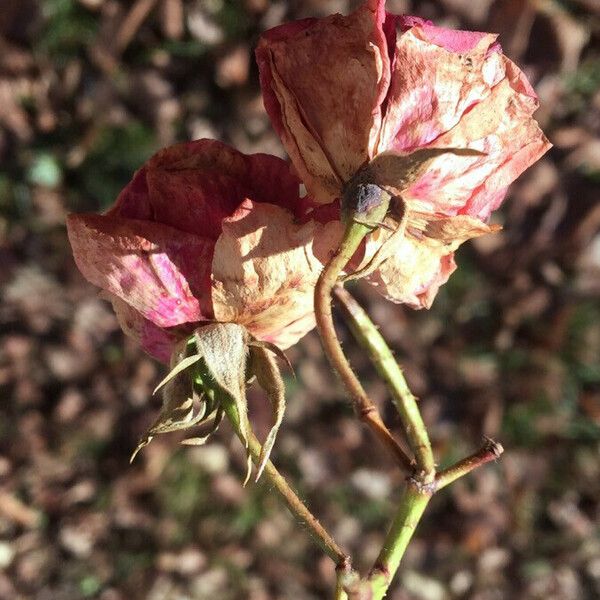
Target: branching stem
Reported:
[(489, 452), (363, 406), (372, 341), (414, 500), (424, 482)]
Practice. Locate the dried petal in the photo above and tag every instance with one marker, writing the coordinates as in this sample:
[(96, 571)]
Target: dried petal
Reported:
[(160, 272), (264, 273), (153, 251), (414, 274), (194, 186), (158, 342), (432, 86), (324, 82), (442, 89), (410, 268)]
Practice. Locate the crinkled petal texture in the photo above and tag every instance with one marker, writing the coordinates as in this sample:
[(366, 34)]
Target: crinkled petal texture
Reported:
[(265, 271), (324, 81), (456, 89), (161, 251), (416, 279), (399, 84)]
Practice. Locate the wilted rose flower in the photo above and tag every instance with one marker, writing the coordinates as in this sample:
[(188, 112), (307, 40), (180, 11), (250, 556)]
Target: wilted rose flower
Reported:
[(342, 90), (203, 233)]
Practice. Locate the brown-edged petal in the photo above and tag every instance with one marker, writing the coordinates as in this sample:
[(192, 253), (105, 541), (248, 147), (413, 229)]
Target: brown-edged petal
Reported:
[(323, 83), (195, 185)]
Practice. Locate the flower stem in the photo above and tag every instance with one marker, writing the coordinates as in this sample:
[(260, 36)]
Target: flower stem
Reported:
[(344, 573), (372, 341), (340, 593), (489, 452), (414, 500), (363, 406), (300, 511)]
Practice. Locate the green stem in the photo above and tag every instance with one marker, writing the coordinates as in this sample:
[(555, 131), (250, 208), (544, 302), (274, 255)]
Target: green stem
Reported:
[(412, 505), (364, 407), (341, 578), (300, 511), (372, 341)]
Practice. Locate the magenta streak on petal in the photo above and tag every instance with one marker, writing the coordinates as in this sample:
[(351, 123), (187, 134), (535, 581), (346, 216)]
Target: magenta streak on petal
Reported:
[(451, 39), (405, 22), (161, 272), (154, 341)]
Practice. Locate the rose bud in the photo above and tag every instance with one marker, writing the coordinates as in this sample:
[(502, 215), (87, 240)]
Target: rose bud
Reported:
[(364, 94)]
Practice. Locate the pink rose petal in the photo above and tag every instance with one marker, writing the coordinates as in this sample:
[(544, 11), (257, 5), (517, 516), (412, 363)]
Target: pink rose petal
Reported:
[(264, 273), (340, 90), (324, 82), (154, 340), (432, 87), (194, 186), (161, 272), (502, 127), (415, 274)]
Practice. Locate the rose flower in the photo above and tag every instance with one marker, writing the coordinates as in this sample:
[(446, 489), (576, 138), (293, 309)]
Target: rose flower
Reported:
[(343, 90), (209, 266), (203, 233)]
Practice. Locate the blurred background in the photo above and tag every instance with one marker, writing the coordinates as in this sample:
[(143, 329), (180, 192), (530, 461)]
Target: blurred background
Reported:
[(511, 349)]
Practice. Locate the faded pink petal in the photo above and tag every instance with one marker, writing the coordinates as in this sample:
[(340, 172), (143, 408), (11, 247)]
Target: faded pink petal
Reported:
[(412, 267), (450, 39), (154, 340), (432, 87), (162, 273), (414, 275), (502, 127), (324, 82), (153, 251), (264, 273)]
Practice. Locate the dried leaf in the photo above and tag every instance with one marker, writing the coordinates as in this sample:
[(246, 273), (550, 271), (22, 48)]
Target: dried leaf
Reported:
[(224, 349), (267, 373), (396, 172), (177, 369), (275, 350), (200, 441), (174, 415), (397, 229), (179, 399), (453, 231)]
